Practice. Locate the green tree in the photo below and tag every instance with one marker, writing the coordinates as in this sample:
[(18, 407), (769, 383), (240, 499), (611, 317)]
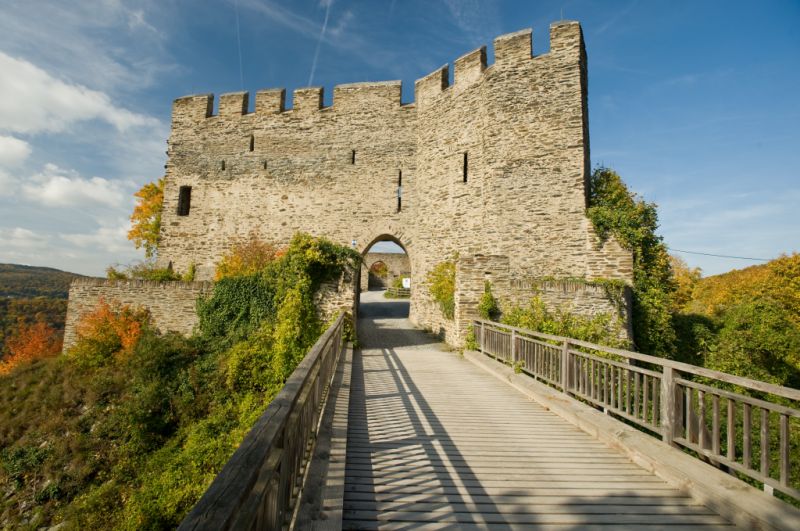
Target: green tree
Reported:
[(615, 210), (146, 217)]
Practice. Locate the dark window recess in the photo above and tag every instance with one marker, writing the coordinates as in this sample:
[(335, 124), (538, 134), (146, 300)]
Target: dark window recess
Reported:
[(400, 190), (252, 143), (465, 167), (222, 166), (353, 157), (265, 164), (184, 200)]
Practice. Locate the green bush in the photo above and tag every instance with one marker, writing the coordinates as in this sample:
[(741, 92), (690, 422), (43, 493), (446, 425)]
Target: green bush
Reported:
[(614, 210), (601, 329), (129, 430), (488, 307), (442, 286)]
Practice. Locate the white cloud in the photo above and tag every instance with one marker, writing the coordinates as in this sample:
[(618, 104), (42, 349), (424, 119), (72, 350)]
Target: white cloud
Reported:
[(13, 151), (32, 101), (113, 238), (111, 45), (55, 186), (21, 238)]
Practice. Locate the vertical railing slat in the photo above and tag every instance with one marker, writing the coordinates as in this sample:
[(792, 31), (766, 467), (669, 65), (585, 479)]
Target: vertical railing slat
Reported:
[(715, 425), (784, 450), (747, 428), (764, 441)]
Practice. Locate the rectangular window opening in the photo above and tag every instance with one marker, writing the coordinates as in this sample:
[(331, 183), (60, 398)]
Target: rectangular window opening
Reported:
[(353, 157), (399, 190), (465, 166), (184, 200), (252, 143), (222, 166)]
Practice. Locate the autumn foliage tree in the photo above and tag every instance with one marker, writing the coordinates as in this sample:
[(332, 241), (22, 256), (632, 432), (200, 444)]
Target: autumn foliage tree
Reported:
[(146, 217), (108, 332), (247, 257), (32, 341)]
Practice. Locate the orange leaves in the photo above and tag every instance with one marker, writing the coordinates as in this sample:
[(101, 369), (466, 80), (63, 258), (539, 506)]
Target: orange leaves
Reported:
[(31, 342), (247, 257), (146, 217), (109, 331)]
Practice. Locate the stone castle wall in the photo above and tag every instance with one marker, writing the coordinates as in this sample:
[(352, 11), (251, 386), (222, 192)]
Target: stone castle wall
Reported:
[(398, 265), (511, 288), (173, 305), (495, 163)]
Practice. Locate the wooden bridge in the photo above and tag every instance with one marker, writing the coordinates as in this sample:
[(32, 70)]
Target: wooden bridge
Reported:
[(409, 435)]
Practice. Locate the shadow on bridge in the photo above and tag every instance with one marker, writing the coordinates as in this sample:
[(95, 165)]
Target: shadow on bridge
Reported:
[(431, 444)]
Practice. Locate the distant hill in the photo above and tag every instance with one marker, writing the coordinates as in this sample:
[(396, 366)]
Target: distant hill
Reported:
[(20, 281)]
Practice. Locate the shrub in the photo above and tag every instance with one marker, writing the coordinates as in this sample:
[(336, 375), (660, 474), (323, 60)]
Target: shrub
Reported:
[(442, 286), (30, 342), (601, 329), (488, 307), (146, 270), (613, 209), (108, 332), (247, 257)]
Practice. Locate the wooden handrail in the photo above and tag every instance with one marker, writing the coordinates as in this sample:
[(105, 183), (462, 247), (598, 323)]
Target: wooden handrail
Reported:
[(786, 392), (257, 487), (667, 401)]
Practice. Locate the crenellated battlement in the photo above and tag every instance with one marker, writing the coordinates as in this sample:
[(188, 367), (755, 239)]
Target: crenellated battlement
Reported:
[(510, 51), (490, 159)]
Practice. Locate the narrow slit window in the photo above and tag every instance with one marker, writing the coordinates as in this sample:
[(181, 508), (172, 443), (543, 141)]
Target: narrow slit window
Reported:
[(252, 143), (399, 190), (465, 166), (353, 157), (222, 165), (184, 200), (265, 164)]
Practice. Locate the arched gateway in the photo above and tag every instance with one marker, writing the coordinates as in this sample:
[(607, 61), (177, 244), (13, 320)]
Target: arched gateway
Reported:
[(490, 171)]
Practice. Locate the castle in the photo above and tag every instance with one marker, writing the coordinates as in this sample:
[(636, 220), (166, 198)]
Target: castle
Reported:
[(491, 171)]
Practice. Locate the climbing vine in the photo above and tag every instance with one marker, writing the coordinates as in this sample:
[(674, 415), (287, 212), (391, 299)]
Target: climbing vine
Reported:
[(614, 210)]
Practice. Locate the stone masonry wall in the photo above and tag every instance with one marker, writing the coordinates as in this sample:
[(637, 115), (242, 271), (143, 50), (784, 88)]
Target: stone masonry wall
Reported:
[(398, 265), (495, 163), (513, 288), (172, 305)]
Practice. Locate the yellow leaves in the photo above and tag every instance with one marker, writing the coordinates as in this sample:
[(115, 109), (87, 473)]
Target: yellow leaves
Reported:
[(247, 257), (116, 327), (146, 217), (30, 342), (686, 278)]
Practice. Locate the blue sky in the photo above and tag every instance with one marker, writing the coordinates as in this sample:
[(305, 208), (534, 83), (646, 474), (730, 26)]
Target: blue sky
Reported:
[(694, 103)]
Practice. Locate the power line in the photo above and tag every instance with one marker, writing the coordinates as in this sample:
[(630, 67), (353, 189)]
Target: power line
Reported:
[(721, 255)]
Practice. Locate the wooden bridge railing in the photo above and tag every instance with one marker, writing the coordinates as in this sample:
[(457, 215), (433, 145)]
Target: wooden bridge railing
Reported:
[(259, 486), (707, 411)]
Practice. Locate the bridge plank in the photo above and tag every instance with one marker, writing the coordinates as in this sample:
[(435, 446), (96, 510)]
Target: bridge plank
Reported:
[(432, 440)]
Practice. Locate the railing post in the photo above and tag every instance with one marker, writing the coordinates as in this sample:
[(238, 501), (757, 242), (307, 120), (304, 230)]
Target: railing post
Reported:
[(668, 407), (565, 383), (513, 347), (483, 337)]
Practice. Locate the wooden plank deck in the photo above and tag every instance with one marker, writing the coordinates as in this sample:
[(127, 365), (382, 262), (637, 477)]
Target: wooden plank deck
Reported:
[(434, 442)]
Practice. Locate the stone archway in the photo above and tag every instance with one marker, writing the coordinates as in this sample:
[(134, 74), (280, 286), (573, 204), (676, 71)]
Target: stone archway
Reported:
[(377, 275), (380, 270)]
